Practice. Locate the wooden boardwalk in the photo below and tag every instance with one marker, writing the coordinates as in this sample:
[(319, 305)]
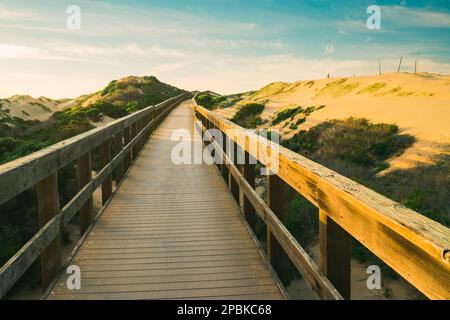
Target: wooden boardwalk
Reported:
[(170, 232)]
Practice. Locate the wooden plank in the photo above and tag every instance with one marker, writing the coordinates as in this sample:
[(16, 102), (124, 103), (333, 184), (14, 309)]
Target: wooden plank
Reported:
[(48, 207), (133, 134), (248, 172), (84, 174), (105, 156), (174, 278), (126, 140), (275, 199), (118, 145), (415, 246), (232, 184), (335, 254), (15, 267), (180, 294)]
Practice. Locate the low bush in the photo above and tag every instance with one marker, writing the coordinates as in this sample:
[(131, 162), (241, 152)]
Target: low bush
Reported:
[(248, 115)]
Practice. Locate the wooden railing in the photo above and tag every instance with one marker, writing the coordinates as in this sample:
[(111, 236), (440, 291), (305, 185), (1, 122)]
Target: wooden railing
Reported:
[(414, 246), (124, 137)]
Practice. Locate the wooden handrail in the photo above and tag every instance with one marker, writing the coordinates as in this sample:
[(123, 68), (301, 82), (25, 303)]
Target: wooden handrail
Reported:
[(21, 174), (415, 246)]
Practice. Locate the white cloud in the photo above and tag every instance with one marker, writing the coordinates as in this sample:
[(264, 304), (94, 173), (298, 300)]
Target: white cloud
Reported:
[(11, 14), (400, 15)]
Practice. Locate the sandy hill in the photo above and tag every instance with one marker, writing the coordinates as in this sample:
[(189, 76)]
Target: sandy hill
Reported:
[(418, 103), (141, 91), (28, 108)]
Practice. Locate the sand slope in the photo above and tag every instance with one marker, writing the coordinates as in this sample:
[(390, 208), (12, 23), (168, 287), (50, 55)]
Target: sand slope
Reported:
[(29, 108), (418, 103)]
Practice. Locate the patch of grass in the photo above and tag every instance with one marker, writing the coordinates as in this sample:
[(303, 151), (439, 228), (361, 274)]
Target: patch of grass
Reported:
[(209, 102), (309, 84), (294, 126), (346, 89), (372, 88), (248, 115), (331, 86), (291, 113), (288, 113)]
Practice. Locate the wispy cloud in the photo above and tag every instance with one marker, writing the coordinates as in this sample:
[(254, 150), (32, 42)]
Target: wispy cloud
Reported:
[(420, 17), (16, 14)]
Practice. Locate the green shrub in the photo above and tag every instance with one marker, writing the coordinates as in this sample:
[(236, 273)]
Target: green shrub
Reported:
[(355, 141), (209, 102), (286, 114), (248, 115)]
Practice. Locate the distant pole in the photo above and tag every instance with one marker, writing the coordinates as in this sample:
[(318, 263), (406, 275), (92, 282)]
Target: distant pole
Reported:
[(415, 66), (379, 67), (400, 64)]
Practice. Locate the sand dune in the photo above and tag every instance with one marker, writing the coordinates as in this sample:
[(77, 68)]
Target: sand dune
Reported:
[(29, 108), (418, 103)]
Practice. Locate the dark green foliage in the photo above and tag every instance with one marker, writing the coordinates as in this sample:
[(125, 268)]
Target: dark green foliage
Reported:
[(286, 114), (210, 102), (248, 115), (290, 113), (355, 141), (294, 126), (13, 148)]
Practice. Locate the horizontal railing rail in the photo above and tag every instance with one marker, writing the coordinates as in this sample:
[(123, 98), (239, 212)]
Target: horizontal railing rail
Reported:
[(413, 245), (125, 136)]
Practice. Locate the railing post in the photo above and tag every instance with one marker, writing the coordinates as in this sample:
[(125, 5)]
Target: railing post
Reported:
[(335, 254), (275, 192), (105, 157), (118, 145), (248, 171), (48, 207), (232, 183), (84, 172), (126, 140), (133, 135), (224, 165)]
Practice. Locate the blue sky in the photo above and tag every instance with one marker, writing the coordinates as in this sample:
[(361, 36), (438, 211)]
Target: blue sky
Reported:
[(223, 45)]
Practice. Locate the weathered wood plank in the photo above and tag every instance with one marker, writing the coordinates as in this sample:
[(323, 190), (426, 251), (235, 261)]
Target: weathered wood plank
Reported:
[(84, 174), (15, 267), (335, 254), (105, 157), (48, 207)]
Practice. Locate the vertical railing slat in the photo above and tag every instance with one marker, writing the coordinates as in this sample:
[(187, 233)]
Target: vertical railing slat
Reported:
[(84, 173), (335, 254), (105, 157), (275, 192), (48, 207)]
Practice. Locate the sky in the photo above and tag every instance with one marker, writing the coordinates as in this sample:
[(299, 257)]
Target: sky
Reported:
[(227, 46)]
